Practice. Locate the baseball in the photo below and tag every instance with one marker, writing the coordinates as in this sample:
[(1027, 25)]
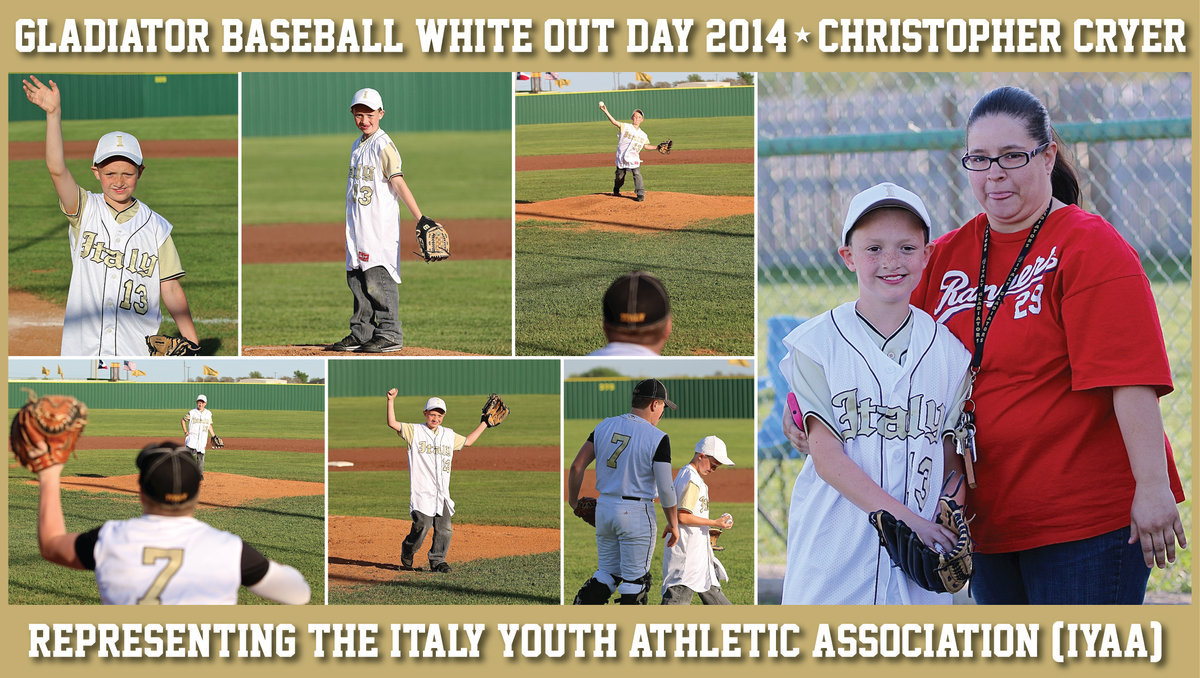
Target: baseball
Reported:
[(601, 104)]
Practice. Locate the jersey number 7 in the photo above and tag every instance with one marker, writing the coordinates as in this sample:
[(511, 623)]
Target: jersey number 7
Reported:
[(174, 558), (621, 441)]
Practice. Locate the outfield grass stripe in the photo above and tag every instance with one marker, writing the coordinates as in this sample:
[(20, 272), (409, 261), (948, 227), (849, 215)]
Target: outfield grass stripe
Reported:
[(697, 179), (599, 136)]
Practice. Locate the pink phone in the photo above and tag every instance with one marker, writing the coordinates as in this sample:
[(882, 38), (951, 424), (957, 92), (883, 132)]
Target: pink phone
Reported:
[(797, 415)]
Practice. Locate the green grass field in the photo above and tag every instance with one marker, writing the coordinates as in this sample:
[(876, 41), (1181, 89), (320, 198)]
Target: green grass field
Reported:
[(361, 422), (454, 305), (197, 195), (230, 424), (453, 175), (526, 499), (738, 435), (809, 300), (562, 273), (289, 530), (600, 136), (579, 555), (715, 179)]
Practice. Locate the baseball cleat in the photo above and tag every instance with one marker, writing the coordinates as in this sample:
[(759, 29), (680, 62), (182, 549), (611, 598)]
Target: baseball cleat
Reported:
[(442, 567), (381, 345), (347, 345), (640, 198)]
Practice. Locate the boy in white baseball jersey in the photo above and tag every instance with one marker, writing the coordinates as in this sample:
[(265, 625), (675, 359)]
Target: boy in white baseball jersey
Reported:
[(880, 386), (689, 567), (637, 316), (431, 449), (166, 556), (197, 427), (631, 141), (633, 467), (123, 262), (374, 190)]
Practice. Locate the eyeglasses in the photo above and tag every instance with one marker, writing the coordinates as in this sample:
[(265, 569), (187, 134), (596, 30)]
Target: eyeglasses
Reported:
[(1010, 160)]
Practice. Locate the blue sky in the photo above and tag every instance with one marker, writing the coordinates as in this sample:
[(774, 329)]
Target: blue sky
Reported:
[(167, 369)]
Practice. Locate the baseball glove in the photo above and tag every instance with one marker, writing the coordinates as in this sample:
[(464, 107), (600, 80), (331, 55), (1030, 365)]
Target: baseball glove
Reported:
[(161, 344), (217, 442), (930, 569), (714, 533), (664, 147), (586, 508), (433, 240), (494, 411), (45, 430)]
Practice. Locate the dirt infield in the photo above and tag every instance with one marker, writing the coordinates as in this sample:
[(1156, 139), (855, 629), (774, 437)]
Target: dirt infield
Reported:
[(583, 160), (34, 325), (217, 490), (734, 485), (299, 243), (254, 444), (662, 210), (368, 549), (151, 149), (468, 459)]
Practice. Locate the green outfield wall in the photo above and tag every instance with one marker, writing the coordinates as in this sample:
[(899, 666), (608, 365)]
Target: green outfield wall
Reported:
[(286, 104), (687, 102), (349, 378), (145, 95), (177, 396), (712, 398)]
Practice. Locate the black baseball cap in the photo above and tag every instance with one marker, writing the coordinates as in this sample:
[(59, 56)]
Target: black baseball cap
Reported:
[(167, 473), (653, 388), (636, 300)]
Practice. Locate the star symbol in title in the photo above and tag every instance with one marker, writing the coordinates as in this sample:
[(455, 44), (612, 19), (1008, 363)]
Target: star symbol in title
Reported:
[(802, 35)]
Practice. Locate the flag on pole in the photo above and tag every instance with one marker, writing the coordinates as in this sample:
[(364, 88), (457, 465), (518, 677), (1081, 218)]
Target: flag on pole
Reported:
[(138, 373), (549, 75), (740, 362), (644, 77), (210, 372), (522, 76), (100, 365), (130, 366), (60, 374), (45, 371)]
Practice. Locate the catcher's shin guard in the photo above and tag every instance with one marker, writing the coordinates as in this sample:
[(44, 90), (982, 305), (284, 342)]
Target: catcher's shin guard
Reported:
[(635, 592), (593, 592)]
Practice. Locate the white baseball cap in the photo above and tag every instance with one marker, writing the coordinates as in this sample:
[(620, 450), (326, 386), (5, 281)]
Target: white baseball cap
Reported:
[(114, 144), (435, 404), (201, 397), (367, 97), (714, 447), (886, 194)]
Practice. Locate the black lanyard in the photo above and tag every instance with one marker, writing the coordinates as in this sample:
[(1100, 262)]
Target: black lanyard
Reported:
[(982, 324)]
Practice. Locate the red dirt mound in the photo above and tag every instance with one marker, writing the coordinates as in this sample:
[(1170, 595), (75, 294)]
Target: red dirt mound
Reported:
[(662, 211), (217, 489), (319, 350), (287, 243), (368, 549), (468, 459), (151, 148), (550, 162)]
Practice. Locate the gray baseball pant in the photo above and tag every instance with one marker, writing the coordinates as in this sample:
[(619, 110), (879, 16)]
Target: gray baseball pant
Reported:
[(442, 532), (682, 595), (619, 180), (376, 305)]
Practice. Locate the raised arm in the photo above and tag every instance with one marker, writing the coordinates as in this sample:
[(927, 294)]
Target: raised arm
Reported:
[(474, 435), (49, 100), (604, 109), (56, 544), (391, 410)]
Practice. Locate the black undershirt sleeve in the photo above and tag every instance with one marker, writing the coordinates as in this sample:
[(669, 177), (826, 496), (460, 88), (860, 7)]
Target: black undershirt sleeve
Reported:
[(592, 437), (85, 547), (254, 565), (663, 453)]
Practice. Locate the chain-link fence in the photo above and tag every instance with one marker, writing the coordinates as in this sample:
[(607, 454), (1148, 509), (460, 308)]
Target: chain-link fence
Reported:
[(823, 137)]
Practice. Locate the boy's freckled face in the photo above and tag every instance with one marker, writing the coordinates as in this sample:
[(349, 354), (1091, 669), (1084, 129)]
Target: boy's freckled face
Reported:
[(433, 418), (637, 119), (118, 180), (366, 119), (888, 252)]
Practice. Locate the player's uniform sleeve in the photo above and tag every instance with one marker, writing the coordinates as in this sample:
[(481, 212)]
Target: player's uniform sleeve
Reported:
[(955, 409), (389, 162), (169, 266), (811, 386), (73, 220), (689, 498), (459, 442), (85, 547), (406, 432), (254, 565), (663, 453)]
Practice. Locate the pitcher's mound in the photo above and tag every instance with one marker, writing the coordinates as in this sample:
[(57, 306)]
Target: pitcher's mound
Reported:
[(661, 211)]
